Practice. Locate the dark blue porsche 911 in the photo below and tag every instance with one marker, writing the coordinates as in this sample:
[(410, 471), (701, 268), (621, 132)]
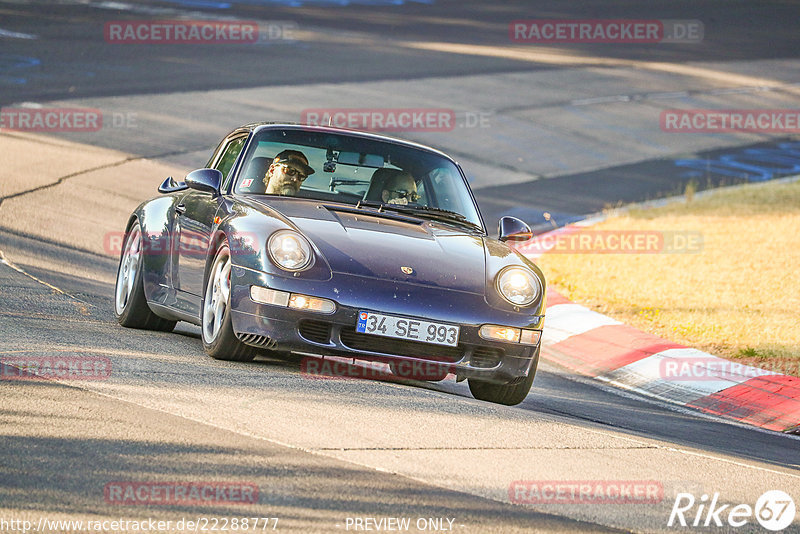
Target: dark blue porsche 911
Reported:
[(329, 242)]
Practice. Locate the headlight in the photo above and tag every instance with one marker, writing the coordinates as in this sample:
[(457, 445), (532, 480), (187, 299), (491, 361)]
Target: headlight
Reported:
[(289, 250), (518, 286)]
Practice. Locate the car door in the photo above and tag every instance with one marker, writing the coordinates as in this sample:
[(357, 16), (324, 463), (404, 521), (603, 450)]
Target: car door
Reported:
[(194, 219)]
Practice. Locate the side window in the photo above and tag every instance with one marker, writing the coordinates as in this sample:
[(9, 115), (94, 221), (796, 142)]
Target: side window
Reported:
[(213, 158), (228, 158), (423, 198)]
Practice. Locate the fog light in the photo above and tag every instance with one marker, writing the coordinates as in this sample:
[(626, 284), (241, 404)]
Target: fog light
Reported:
[(264, 295), (499, 333), (530, 337), (315, 304)]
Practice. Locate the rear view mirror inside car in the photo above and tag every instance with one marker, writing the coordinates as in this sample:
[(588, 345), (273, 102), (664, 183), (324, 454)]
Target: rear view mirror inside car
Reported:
[(363, 160)]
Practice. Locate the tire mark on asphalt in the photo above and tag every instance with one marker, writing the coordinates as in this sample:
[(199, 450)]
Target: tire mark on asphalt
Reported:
[(111, 165), (80, 305), (54, 243), (647, 96)]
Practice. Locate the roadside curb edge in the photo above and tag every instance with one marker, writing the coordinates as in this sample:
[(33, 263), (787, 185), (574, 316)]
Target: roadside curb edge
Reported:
[(595, 345)]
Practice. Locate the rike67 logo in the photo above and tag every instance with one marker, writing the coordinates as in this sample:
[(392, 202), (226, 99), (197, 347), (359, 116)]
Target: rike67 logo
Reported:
[(774, 511)]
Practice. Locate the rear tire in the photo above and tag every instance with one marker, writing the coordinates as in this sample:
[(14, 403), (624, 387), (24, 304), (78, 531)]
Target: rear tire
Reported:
[(130, 303), (219, 340), (508, 394)]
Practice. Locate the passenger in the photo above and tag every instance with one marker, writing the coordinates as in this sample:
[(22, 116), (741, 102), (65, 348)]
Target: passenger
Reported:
[(287, 172), (400, 188)]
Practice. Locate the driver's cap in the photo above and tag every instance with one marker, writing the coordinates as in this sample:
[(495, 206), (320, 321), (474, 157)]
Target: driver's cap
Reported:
[(296, 159)]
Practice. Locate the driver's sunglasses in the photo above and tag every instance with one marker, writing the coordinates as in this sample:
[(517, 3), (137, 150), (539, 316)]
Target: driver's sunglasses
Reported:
[(411, 196), (292, 172)]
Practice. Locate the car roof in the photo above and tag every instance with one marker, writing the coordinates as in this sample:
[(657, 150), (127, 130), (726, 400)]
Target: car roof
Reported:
[(258, 126)]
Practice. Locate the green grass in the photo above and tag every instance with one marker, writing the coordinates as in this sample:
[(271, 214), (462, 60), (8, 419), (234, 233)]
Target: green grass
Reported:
[(739, 297)]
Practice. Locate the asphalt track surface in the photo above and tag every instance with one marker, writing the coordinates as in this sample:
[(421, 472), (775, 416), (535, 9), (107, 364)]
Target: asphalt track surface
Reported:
[(321, 451)]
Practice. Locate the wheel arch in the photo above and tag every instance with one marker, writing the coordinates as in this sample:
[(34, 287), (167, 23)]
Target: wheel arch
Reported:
[(217, 238), (157, 226)]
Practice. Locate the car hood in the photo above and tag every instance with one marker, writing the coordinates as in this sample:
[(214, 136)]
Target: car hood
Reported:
[(378, 246)]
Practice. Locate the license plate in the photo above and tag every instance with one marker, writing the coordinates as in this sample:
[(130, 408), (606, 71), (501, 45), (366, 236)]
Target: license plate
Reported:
[(403, 328)]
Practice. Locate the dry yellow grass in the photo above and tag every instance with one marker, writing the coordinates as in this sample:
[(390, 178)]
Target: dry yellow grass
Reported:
[(738, 298)]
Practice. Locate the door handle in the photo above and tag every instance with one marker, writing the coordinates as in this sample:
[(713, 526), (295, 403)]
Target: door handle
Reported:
[(180, 208)]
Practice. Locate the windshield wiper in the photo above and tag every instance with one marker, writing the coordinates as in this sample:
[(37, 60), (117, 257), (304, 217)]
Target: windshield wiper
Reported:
[(436, 213), (370, 204), (433, 213)]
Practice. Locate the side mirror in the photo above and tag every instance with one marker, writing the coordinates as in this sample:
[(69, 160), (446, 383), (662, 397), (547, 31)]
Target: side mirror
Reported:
[(170, 186), (207, 180), (513, 229)]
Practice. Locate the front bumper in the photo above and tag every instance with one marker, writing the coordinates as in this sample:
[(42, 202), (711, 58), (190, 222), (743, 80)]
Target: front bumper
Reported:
[(304, 332)]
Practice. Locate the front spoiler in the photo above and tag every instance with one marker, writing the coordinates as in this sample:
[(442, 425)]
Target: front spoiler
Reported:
[(278, 328)]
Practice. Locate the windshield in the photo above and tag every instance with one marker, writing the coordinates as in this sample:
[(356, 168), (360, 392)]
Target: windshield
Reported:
[(355, 170)]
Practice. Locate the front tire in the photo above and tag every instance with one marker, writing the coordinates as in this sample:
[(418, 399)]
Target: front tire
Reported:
[(219, 340), (508, 394), (130, 304)]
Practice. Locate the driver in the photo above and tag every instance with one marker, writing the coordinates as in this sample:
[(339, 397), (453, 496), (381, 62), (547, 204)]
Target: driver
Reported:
[(400, 188), (287, 172)]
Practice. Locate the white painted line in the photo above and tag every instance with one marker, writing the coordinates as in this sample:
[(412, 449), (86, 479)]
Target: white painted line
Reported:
[(5, 261), (16, 35), (589, 221), (600, 100), (675, 94), (566, 320)]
